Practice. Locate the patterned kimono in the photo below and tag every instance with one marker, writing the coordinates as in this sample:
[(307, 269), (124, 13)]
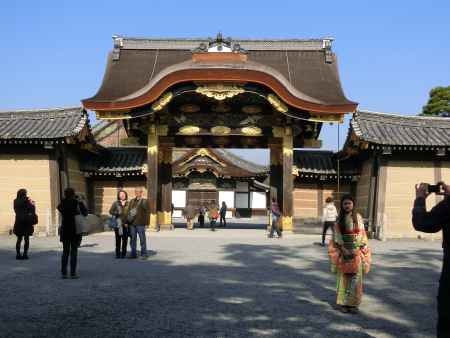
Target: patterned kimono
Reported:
[(350, 260)]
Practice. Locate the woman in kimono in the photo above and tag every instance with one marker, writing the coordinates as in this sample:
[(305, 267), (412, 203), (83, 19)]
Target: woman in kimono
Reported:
[(350, 256)]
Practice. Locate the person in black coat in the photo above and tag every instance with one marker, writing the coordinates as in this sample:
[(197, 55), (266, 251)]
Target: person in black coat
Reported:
[(69, 208), (435, 220), (25, 219)]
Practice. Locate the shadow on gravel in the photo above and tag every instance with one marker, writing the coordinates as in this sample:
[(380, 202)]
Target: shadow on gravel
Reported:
[(257, 293)]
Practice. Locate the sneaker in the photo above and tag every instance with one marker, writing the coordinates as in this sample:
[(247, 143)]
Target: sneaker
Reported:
[(74, 276), (344, 309), (64, 276), (25, 256), (19, 257), (353, 310)]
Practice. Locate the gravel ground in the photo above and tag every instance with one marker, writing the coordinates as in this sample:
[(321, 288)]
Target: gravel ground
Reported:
[(230, 283)]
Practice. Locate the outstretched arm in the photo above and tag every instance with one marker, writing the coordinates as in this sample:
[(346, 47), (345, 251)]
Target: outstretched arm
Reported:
[(429, 221)]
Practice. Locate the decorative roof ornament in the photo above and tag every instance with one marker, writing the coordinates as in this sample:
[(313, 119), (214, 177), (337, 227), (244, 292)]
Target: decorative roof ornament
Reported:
[(219, 45), (219, 91), (162, 101), (277, 103)]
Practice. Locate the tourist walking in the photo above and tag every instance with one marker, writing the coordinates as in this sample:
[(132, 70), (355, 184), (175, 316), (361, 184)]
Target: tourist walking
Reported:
[(223, 213), (137, 219), (189, 214), (350, 256), (328, 218), (276, 214), (69, 207), (213, 215), (24, 222), (118, 212), (435, 220)]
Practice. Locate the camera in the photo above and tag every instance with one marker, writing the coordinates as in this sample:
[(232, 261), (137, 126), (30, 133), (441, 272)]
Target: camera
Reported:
[(436, 188)]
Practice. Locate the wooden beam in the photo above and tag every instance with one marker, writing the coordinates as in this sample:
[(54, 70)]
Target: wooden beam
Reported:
[(165, 189), (55, 193), (381, 227), (152, 175), (288, 180)]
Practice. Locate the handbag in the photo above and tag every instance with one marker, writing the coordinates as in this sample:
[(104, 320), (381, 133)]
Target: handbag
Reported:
[(131, 215), (113, 222), (80, 222), (32, 218), (133, 212)]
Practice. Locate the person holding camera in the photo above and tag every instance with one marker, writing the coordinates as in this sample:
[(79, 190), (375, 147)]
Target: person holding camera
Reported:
[(70, 207), (435, 220)]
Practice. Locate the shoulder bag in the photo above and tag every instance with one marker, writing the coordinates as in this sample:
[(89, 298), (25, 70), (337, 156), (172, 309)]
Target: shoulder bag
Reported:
[(80, 222)]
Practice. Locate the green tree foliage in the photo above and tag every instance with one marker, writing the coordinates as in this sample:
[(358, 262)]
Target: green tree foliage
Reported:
[(438, 103)]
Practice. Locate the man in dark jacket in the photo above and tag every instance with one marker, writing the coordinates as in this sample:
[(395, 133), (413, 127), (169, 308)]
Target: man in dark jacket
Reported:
[(137, 219), (437, 219)]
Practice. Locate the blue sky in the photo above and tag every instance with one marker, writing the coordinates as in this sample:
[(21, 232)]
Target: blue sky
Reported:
[(391, 53)]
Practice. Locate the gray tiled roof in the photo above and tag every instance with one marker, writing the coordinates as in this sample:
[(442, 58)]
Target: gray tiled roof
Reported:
[(321, 162), (132, 159), (390, 129), (315, 162), (117, 159), (307, 68), (249, 44), (242, 163), (42, 124)]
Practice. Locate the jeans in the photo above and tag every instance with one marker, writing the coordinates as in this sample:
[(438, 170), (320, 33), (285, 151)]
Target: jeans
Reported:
[(222, 218), (121, 242), (26, 245), (70, 247), (275, 226), (136, 230), (326, 226)]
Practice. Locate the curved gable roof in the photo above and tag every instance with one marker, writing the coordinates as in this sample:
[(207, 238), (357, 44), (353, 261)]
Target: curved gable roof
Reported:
[(304, 72)]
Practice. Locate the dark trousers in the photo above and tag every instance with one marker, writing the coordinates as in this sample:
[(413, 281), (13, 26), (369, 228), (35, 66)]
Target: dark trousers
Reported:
[(26, 245), (201, 220), (213, 223), (443, 327), (222, 218), (70, 248), (326, 226), (121, 242)]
